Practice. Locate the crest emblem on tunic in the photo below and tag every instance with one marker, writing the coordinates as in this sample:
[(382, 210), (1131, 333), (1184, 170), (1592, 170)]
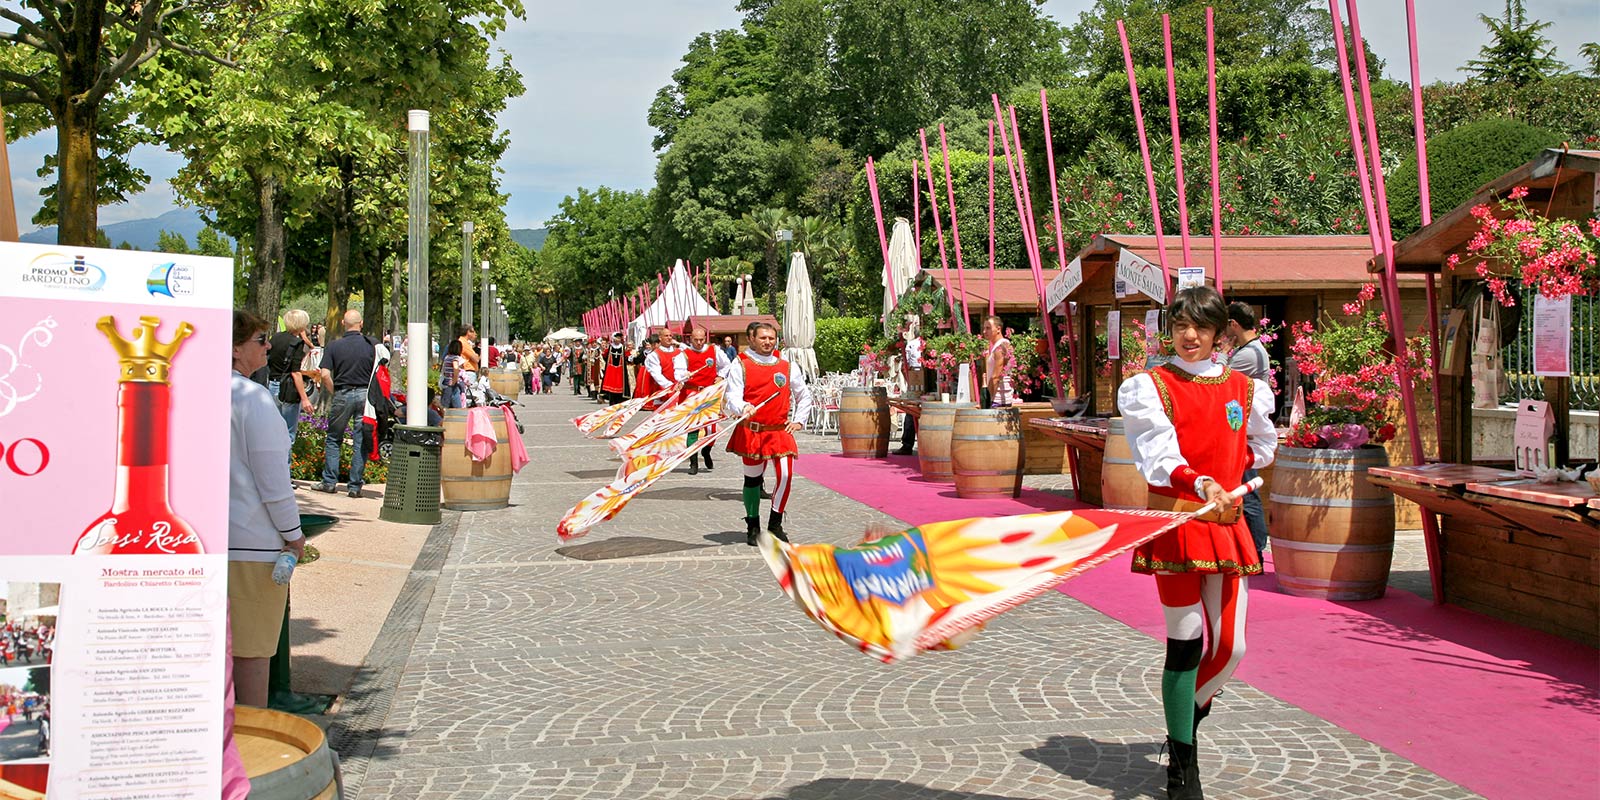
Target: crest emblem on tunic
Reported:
[(780, 380), (1235, 414)]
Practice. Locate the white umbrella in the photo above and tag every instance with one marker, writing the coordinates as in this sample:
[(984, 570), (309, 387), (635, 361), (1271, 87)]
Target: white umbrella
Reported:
[(800, 318), (902, 265)]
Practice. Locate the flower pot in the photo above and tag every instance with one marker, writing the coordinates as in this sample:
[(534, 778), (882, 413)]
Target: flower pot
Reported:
[(1332, 530)]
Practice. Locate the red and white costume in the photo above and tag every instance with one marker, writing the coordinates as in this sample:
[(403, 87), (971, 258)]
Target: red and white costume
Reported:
[(752, 380), (1187, 422), (614, 371), (665, 367)]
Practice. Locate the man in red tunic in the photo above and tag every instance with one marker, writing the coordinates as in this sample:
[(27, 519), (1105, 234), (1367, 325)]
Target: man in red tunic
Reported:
[(759, 377), (665, 366), (1192, 425), (703, 365), (614, 371)]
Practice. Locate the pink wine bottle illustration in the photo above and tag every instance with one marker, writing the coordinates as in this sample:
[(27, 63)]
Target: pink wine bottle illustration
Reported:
[(141, 520)]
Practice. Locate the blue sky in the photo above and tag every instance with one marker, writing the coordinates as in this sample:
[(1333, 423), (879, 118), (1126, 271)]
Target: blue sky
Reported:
[(592, 68)]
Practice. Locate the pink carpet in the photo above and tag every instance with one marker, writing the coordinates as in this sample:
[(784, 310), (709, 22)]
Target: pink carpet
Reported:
[(1499, 709)]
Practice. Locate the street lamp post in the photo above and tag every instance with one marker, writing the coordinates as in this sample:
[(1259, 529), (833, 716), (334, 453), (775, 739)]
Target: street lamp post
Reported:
[(466, 274), (787, 237), (483, 310), (412, 494)]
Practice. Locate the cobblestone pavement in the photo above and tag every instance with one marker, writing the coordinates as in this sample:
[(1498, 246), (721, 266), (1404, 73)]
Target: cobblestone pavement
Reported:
[(657, 658)]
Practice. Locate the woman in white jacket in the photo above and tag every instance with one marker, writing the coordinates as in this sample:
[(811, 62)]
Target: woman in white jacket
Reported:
[(263, 517)]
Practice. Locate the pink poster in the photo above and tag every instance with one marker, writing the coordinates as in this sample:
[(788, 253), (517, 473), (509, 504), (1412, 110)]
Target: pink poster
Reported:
[(114, 412)]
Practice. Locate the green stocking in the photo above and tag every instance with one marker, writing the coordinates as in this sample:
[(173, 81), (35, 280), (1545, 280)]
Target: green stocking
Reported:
[(1177, 699), (752, 508)]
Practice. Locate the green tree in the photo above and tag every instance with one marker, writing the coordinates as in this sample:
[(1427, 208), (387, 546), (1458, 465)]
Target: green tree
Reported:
[(760, 229), (169, 242), (1518, 52), (75, 60), (600, 240), (1591, 54), (1247, 32), (719, 167)]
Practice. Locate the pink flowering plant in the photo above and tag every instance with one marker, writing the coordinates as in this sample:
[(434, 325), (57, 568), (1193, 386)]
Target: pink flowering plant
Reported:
[(1557, 258), (1356, 374), (945, 354)]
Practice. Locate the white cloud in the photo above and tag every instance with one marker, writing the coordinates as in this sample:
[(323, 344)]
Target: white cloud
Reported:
[(591, 70)]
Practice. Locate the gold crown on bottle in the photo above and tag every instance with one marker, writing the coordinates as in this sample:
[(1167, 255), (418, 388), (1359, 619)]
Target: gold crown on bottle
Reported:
[(143, 358)]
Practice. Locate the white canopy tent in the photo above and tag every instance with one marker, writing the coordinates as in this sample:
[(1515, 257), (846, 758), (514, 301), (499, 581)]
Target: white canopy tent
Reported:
[(678, 301), (903, 267), (566, 335), (800, 318)]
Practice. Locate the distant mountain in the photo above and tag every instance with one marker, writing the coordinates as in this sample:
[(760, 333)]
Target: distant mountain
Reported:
[(531, 238), (141, 234)]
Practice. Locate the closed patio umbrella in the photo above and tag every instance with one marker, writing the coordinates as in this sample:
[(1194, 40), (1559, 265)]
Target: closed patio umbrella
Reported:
[(800, 318)]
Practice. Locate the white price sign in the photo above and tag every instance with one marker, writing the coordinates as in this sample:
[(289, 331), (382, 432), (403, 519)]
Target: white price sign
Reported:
[(1190, 277), (1142, 276)]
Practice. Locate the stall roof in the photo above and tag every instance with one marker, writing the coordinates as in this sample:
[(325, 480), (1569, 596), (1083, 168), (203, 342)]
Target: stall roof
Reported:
[(1552, 170), (729, 324), (1250, 265)]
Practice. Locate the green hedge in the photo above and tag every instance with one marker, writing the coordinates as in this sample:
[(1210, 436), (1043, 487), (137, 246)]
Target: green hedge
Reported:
[(1459, 162), (840, 339)]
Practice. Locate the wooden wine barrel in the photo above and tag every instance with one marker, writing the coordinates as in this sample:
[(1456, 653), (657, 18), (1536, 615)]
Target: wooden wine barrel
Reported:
[(506, 381), (986, 452), (1332, 531), (1121, 484), (864, 422), (285, 756), (933, 440), (474, 485)]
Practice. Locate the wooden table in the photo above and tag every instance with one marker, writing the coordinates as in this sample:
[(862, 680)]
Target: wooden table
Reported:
[(1512, 548), (1086, 447)]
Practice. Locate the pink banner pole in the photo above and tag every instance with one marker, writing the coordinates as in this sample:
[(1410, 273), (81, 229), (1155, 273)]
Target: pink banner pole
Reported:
[(1358, 147), (955, 230), (1216, 170), (1055, 209), (1419, 130), (916, 207), (938, 226), (883, 239), (1391, 291), (991, 218), (1144, 146), (1177, 143), (1033, 253), (1011, 174)]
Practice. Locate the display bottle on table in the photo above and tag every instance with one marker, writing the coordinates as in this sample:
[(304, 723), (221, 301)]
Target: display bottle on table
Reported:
[(141, 520)]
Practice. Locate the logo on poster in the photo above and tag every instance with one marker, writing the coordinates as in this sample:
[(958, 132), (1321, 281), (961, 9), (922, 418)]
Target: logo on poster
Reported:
[(57, 271), (170, 279), (25, 465)]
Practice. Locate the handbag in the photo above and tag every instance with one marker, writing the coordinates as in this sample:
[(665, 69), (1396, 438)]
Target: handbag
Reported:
[(287, 393)]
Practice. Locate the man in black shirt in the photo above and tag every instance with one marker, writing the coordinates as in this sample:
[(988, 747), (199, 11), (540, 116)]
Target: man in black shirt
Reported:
[(346, 369)]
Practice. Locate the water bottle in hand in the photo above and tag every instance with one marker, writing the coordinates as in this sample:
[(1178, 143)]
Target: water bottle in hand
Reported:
[(284, 568)]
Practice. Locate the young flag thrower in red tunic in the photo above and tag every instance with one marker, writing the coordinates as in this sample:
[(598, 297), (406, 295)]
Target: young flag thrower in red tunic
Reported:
[(767, 436), (704, 365), (1194, 426), (665, 365)]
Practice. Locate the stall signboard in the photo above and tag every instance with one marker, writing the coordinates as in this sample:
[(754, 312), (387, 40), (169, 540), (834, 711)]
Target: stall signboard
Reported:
[(1190, 277), (1152, 331), (1142, 276), (114, 396), (1064, 284), (1114, 335), (1552, 336)]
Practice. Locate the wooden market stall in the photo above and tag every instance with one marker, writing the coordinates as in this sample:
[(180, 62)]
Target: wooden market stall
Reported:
[(720, 325), (1288, 279), (1511, 547)]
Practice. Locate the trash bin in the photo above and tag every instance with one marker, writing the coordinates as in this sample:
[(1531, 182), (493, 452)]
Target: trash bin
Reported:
[(412, 495)]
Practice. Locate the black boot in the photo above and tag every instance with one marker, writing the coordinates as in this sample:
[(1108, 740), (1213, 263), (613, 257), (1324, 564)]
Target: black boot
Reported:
[(1183, 771), (694, 464), (752, 529), (775, 526), (706, 455)]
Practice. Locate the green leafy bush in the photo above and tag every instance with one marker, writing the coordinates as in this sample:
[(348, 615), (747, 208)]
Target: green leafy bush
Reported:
[(306, 458), (840, 339), (1459, 162)]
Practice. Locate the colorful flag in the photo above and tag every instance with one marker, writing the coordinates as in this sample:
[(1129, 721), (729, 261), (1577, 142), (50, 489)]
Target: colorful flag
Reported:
[(595, 423), (694, 412), (635, 475), (932, 587)]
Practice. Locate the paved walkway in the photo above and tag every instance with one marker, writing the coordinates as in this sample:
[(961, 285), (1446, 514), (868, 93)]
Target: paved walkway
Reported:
[(658, 659)]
